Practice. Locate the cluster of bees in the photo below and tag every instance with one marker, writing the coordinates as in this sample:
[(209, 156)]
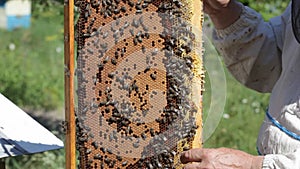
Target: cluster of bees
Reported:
[(135, 68)]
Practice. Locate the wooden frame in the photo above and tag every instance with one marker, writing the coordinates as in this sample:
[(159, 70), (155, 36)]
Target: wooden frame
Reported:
[(69, 84)]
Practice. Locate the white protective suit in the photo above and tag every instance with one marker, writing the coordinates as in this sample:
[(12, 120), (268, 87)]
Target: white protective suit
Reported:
[(265, 56)]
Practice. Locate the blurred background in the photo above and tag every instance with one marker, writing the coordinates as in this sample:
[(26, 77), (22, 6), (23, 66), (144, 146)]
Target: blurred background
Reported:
[(32, 76)]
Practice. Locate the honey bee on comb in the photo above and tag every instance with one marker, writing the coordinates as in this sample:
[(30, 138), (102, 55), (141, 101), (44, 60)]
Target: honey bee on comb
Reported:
[(140, 83)]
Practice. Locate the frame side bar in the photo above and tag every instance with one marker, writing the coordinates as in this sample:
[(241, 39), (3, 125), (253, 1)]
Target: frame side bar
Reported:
[(70, 149)]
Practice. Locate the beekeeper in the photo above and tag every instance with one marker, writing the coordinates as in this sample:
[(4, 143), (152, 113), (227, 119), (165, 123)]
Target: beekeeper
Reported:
[(264, 56)]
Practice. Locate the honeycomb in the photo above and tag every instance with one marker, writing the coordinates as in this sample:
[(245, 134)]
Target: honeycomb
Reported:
[(140, 82)]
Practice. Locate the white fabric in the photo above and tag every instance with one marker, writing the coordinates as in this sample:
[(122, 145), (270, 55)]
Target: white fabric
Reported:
[(278, 161), (265, 56)]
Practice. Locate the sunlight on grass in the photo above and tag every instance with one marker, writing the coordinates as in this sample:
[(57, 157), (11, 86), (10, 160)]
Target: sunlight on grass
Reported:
[(32, 67)]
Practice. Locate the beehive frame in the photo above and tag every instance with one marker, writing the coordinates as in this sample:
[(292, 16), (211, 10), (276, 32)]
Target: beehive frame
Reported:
[(69, 61), (140, 81)]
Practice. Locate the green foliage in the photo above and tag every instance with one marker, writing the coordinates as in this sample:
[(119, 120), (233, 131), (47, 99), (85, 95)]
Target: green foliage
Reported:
[(40, 7), (32, 73), (50, 159), (267, 8), (242, 116), (31, 67)]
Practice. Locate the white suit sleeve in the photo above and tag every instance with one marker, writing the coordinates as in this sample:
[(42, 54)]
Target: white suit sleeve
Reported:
[(252, 49), (276, 161)]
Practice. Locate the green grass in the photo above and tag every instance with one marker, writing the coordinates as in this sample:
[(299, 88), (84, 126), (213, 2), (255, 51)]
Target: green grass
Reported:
[(54, 159), (31, 67), (244, 109), (32, 76), (245, 112)]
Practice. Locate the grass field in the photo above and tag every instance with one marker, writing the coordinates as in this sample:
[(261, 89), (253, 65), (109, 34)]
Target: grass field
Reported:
[(242, 116), (31, 74), (243, 111), (32, 62)]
